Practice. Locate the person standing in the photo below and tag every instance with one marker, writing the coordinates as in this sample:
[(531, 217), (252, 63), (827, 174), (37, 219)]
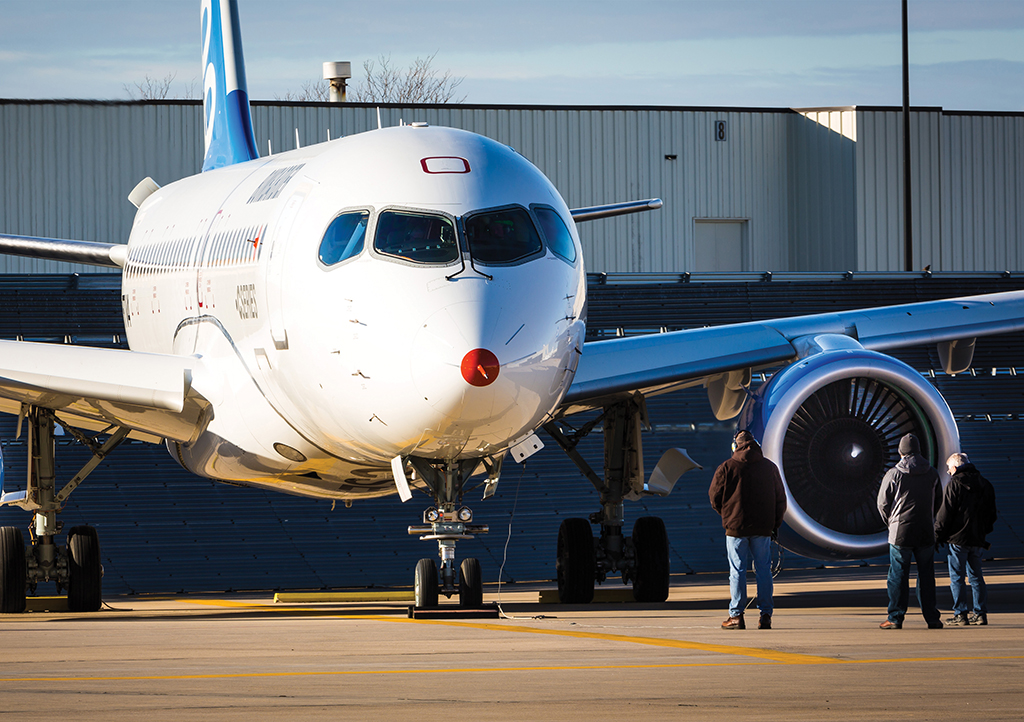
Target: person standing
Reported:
[(908, 498), (747, 492), (965, 518)]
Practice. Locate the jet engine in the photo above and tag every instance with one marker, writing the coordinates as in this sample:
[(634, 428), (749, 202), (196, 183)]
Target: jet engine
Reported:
[(832, 421)]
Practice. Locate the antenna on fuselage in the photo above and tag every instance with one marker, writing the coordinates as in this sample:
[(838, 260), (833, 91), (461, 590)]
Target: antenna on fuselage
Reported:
[(297, 143), (378, 117), (270, 148)]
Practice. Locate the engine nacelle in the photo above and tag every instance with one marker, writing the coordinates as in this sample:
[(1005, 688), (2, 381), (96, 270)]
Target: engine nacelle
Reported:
[(832, 422)]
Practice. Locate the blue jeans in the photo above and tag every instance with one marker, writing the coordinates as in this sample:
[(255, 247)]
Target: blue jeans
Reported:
[(959, 557), (899, 582), (739, 550)]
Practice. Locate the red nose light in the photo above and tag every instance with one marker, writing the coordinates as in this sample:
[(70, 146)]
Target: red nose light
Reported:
[(480, 367)]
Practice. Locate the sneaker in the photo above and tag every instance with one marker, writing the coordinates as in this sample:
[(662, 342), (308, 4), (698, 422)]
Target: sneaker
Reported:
[(981, 619), (734, 623), (765, 622), (887, 624), (958, 620), (935, 625)]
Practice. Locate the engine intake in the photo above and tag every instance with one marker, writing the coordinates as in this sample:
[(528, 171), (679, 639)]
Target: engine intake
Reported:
[(835, 419)]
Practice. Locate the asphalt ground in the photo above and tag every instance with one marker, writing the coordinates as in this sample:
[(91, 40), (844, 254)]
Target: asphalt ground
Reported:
[(244, 657)]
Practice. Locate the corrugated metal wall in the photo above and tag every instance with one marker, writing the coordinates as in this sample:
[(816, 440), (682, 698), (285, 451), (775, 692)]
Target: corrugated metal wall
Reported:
[(165, 530), (967, 184), (819, 190), (68, 167), (983, 191), (822, 192), (879, 172)]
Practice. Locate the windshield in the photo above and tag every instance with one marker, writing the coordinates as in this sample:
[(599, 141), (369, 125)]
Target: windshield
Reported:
[(416, 237), (503, 236), (556, 234), (343, 238)]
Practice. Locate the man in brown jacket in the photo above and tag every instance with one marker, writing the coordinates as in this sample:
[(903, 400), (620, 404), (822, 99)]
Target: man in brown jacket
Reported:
[(747, 491)]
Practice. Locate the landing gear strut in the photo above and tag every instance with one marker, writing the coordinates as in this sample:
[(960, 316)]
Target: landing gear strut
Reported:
[(447, 522), (77, 566), (642, 558)]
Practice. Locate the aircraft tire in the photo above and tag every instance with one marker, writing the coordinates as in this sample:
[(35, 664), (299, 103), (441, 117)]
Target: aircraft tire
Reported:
[(85, 572), (650, 546), (576, 562), (471, 584), (12, 570), (425, 587)]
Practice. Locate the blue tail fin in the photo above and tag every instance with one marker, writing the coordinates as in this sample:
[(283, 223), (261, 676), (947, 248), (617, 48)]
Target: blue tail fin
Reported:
[(227, 122)]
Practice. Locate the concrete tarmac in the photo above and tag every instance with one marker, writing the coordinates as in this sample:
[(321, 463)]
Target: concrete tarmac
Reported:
[(242, 657)]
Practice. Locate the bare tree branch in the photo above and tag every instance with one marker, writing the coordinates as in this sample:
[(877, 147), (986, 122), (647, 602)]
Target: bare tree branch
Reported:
[(420, 83), (316, 91), (160, 89)]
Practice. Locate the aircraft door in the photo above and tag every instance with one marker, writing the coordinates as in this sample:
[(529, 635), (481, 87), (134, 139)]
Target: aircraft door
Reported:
[(275, 268)]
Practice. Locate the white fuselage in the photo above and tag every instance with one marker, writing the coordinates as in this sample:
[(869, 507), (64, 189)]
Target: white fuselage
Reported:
[(321, 372)]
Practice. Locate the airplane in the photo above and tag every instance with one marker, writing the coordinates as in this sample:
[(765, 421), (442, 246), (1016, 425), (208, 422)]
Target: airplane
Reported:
[(402, 310)]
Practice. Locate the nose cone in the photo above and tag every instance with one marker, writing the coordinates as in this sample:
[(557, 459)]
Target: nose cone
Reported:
[(486, 373), (480, 367)]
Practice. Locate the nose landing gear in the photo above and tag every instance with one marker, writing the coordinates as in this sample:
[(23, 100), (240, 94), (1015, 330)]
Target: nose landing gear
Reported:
[(446, 523)]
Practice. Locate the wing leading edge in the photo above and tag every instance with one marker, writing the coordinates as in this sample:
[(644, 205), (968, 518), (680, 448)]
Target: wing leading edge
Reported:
[(658, 363), (97, 389)]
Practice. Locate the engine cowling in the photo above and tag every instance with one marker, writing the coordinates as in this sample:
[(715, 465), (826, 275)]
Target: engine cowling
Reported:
[(832, 421)]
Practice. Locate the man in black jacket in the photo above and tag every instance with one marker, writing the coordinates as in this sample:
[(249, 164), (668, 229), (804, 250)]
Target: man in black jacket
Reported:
[(966, 517), (908, 498), (747, 491)]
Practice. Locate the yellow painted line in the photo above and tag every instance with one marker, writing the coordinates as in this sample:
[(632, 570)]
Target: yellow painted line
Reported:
[(465, 670), (898, 661), (363, 596), (768, 654), (46, 604)]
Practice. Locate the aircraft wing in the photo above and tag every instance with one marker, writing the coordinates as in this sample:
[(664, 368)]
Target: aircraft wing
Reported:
[(97, 389), (55, 249), (658, 363)]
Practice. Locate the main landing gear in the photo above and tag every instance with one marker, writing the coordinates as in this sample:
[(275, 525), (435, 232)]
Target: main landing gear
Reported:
[(447, 522), (641, 558), (75, 567)]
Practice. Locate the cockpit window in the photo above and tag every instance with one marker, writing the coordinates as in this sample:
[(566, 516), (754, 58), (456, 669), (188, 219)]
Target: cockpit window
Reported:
[(416, 237), (503, 236), (556, 234), (343, 238)]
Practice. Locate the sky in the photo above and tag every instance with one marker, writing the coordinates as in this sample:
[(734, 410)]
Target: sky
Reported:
[(964, 54)]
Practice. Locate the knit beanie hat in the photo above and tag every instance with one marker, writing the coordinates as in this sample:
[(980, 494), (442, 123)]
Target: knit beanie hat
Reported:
[(909, 445), (743, 437)]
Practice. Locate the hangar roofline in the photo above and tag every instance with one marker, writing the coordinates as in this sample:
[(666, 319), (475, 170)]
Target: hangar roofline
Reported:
[(516, 106)]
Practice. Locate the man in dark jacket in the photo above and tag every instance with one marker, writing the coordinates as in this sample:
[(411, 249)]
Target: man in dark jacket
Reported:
[(747, 491), (908, 498), (966, 517)]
